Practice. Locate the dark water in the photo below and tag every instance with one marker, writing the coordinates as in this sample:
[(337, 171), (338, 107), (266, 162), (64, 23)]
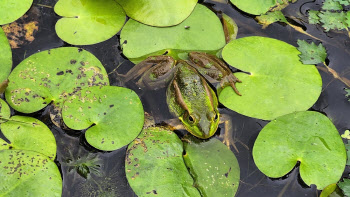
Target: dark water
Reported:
[(107, 168)]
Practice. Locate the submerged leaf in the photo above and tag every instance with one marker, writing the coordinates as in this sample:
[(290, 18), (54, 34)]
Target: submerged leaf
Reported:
[(271, 17), (311, 53), (12, 10), (345, 186)]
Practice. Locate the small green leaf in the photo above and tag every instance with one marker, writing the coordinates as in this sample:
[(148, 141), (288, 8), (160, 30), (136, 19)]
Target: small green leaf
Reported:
[(5, 111), (5, 55), (255, 7), (311, 53), (28, 173), (344, 2), (12, 10), (346, 135), (271, 17), (113, 115), (331, 5), (158, 12), (313, 17), (230, 28), (345, 186), (333, 20), (331, 190), (347, 93), (307, 137), (88, 22), (347, 146)]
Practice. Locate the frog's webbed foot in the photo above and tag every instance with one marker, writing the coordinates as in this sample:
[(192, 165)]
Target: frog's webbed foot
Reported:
[(230, 80), (227, 136)]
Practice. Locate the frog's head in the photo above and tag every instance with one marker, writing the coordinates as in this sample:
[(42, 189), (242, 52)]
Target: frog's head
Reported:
[(201, 125)]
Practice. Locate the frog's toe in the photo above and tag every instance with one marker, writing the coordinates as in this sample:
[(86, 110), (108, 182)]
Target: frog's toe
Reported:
[(228, 141)]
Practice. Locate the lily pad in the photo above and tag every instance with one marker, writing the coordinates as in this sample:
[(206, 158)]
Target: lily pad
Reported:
[(154, 165), (4, 111), (213, 166), (158, 12), (5, 55), (307, 137), (27, 133), (88, 21), (255, 7), (52, 76), (201, 31), (28, 173), (114, 116), (12, 10), (277, 82)]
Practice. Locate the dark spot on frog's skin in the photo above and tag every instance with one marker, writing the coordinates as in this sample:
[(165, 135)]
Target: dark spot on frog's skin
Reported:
[(105, 113), (73, 61), (82, 63), (60, 73), (111, 106)]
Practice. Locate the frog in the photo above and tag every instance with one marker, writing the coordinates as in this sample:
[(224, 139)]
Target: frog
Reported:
[(189, 96)]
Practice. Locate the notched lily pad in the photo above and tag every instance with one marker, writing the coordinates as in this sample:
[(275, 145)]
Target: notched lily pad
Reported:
[(308, 137), (27, 133), (12, 10), (52, 76), (87, 22), (158, 12), (115, 115), (154, 165), (5, 56), (277, 82), (28, 173), (201, 31), (5, 112)]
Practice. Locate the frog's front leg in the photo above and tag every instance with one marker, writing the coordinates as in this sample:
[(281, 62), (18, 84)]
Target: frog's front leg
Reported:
[(227, 135), (212, 67), (153, 73)]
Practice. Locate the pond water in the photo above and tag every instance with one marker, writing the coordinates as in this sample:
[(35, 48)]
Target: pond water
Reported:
[(107, 168)]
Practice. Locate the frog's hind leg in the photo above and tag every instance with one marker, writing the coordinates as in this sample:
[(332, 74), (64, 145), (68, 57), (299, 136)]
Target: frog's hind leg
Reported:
[(227, 135)]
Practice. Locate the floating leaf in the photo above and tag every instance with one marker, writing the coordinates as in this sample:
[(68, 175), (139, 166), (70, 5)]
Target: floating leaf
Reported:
[(52, 76), (255, 7), (158, 12), (311, 53), (114, 116), (331, 5), (88, 21), (5, 55), (12, 10), (27, 133), (230, 28), (154, 165), (333, 20), (213, 166), (273, 87), (28, 173), (4, 111), (271, 17), (307, 137), (202, 30), (345, 186), (331, 190), (313, 17)]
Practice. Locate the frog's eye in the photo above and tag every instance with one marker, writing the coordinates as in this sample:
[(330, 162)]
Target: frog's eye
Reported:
[(191, 119), (216, 117)]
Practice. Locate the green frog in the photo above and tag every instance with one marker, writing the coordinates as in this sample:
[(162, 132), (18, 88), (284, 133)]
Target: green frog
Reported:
[(189, 96)]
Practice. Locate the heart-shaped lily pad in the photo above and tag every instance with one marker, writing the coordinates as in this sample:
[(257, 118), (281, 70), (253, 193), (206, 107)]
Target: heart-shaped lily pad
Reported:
[(52, 76), (88, 21), (28, 173), (158, 12), (278, 82), (308, 137), (4, 111), (5, 55), (201, 31), (255, 7), (116, 114), (27, 133), (12, 10)]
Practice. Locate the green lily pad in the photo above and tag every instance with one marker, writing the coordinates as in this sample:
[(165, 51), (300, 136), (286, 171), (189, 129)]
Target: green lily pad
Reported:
[(154, 165), (214, 167), (158, 12), (278, 82), (28, 173), (88, 21), (307, 137), (255, 7), (52, 76), (27, 133), (201, 31), (12, 10), (116, 112), (4, 111), (5, 55)]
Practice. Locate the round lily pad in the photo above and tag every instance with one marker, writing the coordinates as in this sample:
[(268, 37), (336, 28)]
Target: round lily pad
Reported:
[(277, 82), (12, 10), (114, 114), (307, 137), (28, 173), (255, 7), (154, 165), (213, 166), (27, 133), (201, 31), (4, 111), (52, 76), (88, 21), (5, 55), (158, 12)]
